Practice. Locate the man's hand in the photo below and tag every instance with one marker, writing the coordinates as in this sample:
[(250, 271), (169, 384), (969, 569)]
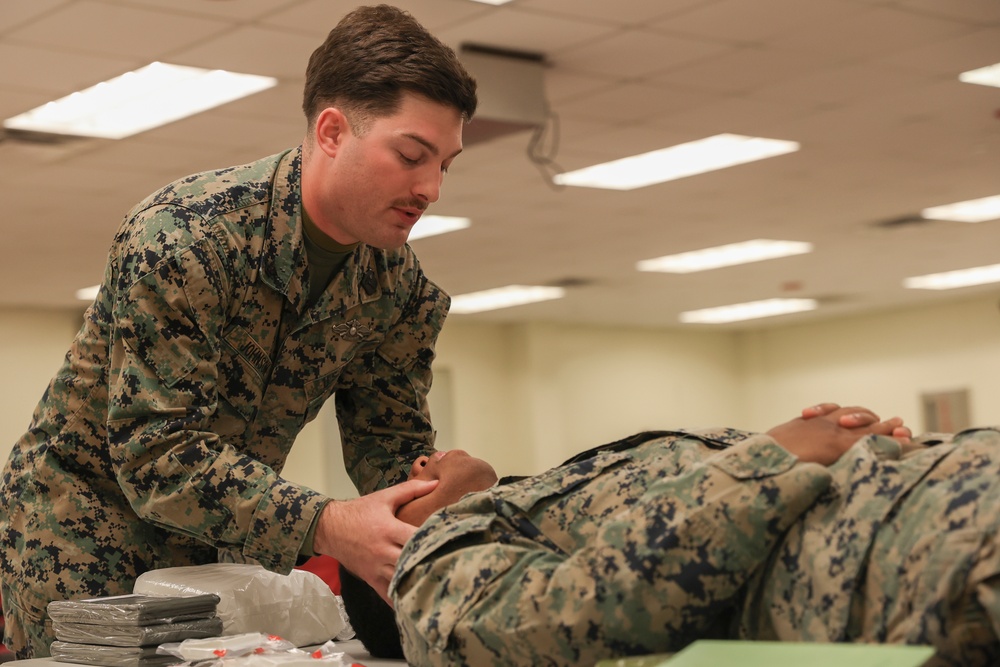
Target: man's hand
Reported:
[(829, 431), (365, 535), (862, 417)]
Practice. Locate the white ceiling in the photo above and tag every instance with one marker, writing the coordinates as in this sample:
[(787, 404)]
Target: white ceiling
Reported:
[(868, 87)]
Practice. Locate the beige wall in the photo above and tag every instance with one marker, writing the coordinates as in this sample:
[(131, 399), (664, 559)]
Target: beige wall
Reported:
[(528, 396), (884, 362), (32, 346)]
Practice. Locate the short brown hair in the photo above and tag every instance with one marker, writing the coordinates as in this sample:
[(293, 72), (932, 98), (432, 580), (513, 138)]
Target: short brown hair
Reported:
[(372, 56)]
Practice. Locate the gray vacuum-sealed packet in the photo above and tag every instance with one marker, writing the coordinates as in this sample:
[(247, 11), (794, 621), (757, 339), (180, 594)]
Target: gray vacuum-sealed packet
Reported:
[(136, 635), (134, 609), (110, 656)]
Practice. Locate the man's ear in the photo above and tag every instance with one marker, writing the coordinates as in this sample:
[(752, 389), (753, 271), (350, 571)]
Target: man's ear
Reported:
[(330, 130)]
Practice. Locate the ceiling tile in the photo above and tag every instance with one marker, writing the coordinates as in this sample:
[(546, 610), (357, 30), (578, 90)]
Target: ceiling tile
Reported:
[(631, 54), (839, 85), (978, 12), (523, 31), (634, 12), (951, 56), (55, 72), (318, 17), (265, 51), (116, 30), (632, 102), (232, 10), (875, 31), (742, 70), (19, 12), (753, 22)]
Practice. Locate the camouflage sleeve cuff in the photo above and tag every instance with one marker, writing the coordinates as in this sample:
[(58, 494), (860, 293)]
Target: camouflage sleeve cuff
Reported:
[(281, 523), (756, 457), (307, 549)]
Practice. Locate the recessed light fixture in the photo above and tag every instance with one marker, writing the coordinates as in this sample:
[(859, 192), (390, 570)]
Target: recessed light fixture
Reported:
[(973, 210), (979, 275), (984, 76), (140, 100), (504, 297), (432, 225), (492, 2), (748, 311), (667, 164), (724, 255)]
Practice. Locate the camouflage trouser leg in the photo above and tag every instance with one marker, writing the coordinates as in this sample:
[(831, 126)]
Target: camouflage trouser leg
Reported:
[(27, 633), (650, 578)]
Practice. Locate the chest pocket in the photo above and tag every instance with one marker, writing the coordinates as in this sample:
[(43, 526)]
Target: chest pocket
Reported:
[(347, 365)]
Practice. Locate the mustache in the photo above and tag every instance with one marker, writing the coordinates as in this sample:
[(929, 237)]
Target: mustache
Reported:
[(411, 203)]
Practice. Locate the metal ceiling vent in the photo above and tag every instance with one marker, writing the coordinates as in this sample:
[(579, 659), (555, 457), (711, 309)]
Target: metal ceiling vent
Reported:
[(511, 88)]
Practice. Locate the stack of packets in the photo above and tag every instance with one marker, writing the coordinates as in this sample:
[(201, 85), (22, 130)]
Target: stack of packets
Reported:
[(124, 630)]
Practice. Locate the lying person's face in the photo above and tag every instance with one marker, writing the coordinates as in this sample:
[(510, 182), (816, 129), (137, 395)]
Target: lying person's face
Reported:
[(458, 474)]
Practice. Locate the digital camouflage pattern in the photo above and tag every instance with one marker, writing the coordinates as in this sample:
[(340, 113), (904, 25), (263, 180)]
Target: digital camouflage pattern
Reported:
[(161, 439), (904, 548), (645, 550), (622, 552)]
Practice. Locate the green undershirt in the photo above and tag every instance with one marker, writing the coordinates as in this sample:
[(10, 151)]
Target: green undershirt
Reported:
[(325, 258)]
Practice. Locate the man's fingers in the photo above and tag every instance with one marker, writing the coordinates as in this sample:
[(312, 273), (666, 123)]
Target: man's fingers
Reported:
[(819, 410), (407, 491), (857, 419)]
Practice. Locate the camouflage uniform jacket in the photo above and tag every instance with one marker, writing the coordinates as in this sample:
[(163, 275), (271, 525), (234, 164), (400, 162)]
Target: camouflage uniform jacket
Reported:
[(625, 551), (903, 548), (162, 437)]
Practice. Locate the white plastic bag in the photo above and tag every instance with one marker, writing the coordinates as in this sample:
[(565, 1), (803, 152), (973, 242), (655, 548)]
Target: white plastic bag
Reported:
[(300, 607)]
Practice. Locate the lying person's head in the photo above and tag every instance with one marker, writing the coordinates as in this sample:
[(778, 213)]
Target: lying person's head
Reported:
[(457, 473)]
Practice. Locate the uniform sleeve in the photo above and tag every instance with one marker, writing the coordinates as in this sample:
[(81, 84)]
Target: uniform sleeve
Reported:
[(383, 414), (171, 300)]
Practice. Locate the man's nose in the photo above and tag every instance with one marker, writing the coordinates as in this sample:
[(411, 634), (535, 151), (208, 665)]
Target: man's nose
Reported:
[(428, 188)]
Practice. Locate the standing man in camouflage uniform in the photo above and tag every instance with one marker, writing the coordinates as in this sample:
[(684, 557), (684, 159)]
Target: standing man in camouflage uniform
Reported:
[(234, 304)]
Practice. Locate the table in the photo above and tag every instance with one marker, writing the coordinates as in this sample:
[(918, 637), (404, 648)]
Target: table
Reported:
[(352, 648)]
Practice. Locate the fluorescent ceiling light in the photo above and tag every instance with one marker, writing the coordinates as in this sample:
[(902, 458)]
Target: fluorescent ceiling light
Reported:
[(748, 311), (504, 297), (724, 255), (138, 101), (980, 275), (667, 164), (984, 76), (973, 210), (492, 2), (88, 293), (432, 225)]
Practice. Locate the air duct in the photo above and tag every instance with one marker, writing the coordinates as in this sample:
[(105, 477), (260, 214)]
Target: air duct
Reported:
[(511, 89)]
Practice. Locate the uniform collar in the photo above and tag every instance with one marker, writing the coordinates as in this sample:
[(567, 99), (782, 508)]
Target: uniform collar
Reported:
[(285, 266)]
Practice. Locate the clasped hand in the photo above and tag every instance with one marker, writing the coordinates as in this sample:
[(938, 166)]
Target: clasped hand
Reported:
[(825, 431)]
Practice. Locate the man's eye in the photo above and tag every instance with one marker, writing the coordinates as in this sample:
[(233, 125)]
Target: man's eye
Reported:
[(408, 160)]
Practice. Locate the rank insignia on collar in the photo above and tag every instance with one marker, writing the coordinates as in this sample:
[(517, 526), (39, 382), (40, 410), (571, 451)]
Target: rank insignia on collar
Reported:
[(369, 282), (352, 330)]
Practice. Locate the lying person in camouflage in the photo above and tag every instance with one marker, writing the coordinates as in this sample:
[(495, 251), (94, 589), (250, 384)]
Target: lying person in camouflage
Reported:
[(650, 543)]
